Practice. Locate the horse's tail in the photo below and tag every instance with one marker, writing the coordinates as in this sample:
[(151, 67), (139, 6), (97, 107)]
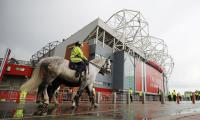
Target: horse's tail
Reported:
[(35, 80)]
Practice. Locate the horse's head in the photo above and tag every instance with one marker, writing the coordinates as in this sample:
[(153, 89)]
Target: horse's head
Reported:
[(106, 68), (108, 65), (103, 64)]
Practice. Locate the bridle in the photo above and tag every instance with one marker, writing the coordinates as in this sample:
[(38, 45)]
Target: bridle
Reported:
[(102, 68)]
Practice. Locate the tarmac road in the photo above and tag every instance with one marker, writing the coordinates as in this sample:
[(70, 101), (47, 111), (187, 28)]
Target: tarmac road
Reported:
[(134, 111)]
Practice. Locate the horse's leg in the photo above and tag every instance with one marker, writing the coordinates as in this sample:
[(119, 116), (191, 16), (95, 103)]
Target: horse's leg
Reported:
[(46, 91), (50, 91), (55, 95), (42, 108), (75, 102), (39, 94), (90, 92), (46, 97), (54, 89), (48, 80)]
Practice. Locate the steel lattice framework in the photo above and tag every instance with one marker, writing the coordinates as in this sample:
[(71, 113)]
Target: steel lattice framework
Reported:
[(44, 52), (131, 27), (133, 31)]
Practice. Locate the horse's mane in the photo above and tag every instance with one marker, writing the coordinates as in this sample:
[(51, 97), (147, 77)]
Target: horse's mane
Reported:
[(50, 59), (98, 61)]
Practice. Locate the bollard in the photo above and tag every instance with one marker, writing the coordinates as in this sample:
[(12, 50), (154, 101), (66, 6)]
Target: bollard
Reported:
[(128, 98), (114, 98), (178, 99), (143, 98), (162, 98), (98, 96), (193, 98)]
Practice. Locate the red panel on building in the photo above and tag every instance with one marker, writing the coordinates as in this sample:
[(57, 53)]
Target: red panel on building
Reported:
[(154, 79), (103, 90), (138, 74), (19, 70), (155, 65)]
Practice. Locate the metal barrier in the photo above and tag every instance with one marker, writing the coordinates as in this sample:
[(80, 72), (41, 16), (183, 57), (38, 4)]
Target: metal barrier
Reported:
[(11, 94), (106, 97)]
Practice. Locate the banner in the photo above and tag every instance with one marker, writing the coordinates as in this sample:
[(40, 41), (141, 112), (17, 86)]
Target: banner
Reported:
[(154, 79), (138, 74)]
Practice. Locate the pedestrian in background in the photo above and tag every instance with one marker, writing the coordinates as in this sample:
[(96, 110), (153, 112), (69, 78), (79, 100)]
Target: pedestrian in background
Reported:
[(140, 96), (174, 95), (196, 95), (159, 93), (131, 94)]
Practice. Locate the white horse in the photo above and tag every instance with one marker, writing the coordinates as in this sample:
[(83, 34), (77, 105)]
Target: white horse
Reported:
[(50, 68)]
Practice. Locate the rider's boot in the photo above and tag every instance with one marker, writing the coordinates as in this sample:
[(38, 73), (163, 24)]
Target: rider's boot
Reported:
[(76, 74)]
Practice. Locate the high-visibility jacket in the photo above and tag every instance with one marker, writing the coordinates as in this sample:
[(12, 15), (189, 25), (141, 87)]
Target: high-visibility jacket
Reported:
[(77, 55), (173, 93), (140, 93), (159, 92), (130, 91)]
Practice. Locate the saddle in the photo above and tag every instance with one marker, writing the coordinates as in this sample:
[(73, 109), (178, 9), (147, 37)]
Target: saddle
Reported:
[(78, 68)]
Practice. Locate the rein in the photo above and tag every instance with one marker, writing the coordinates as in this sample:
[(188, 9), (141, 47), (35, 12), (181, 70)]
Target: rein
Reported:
[(100, 67), (103, 68)]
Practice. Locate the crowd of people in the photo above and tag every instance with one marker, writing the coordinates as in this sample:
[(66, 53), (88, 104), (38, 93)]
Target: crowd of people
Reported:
[(172, 96)]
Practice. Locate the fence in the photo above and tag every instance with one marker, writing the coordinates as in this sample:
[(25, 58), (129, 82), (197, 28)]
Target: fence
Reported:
[(11, 94)]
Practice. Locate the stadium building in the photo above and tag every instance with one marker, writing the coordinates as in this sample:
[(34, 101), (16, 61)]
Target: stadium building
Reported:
[(140, 61)]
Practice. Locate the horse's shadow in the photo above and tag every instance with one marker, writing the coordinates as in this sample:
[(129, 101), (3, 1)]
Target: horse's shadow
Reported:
[(45, 110), (54, 110)]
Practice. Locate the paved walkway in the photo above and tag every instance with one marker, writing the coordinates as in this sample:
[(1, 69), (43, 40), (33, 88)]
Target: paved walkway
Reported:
[(134, 111)]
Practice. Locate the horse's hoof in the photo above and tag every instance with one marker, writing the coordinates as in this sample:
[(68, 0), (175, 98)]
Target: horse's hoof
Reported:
[(96, 105), (39, 106), (37, 113), (44, 105), (41, 112), (44, 114), (73, 107)]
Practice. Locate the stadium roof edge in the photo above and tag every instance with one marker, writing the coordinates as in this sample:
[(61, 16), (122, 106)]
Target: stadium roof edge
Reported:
[(83, 33)]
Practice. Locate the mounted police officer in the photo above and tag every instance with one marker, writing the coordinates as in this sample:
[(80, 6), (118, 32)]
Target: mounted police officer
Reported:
[(77, 57)]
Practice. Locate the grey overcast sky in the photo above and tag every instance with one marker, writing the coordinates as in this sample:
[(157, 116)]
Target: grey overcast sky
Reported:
[(28, 25)]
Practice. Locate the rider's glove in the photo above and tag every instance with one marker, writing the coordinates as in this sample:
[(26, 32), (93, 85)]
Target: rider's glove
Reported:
[(86, 62)]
